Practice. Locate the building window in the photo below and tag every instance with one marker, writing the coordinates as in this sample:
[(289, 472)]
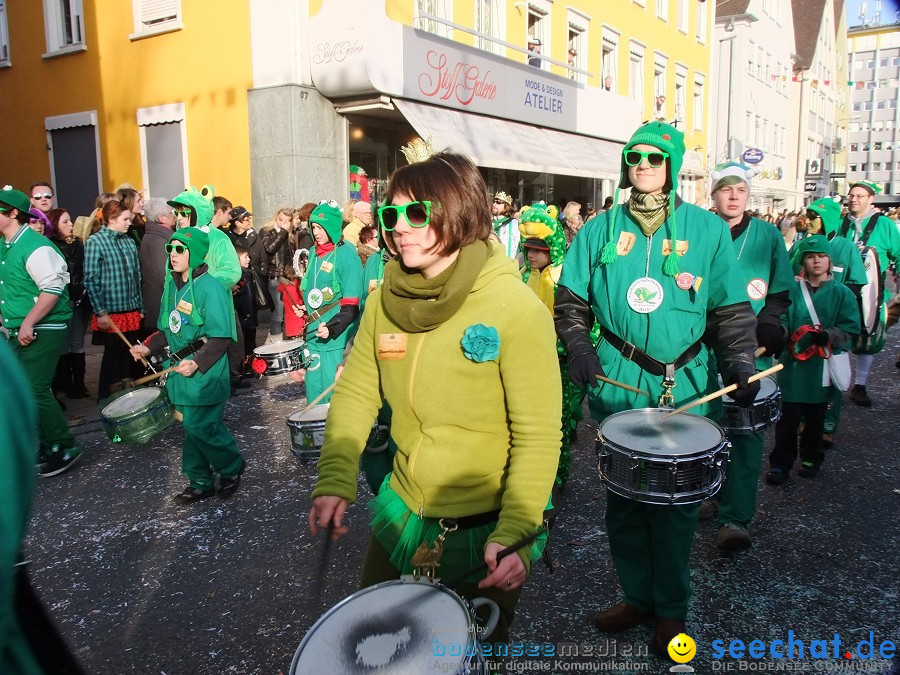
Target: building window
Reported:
[(489, 20), (699, 82), (74, 145), (876, 166), (877, 145), (853, 168), (4, 35), (659, 87), (870, 64), (680, 94), (883, 63), (854, 147), (895, 61), (439, 9), (751, 62), (636, 75), (610, 60), (684, 7), (538, 29), (701, 22), (64, 25), (662, 9), (163, 149), (577, 44), (155, 16), (868, 105), (879, 105), (864, 167)]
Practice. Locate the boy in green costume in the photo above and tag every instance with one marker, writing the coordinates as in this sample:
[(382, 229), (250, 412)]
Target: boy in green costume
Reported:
[(658, 275), (196, 307), (767, 276), (331, 293), (803, 394)]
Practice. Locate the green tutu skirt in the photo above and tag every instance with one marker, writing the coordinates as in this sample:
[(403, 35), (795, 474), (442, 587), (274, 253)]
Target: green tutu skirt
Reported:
[(401, 532)]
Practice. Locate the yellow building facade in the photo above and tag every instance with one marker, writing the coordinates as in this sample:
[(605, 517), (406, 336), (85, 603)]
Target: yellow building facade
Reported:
[(106, 92)]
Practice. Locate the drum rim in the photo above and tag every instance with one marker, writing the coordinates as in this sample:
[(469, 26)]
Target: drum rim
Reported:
[(463, 604), (299, 343), (161, 397), (603, 439), (319, 406)]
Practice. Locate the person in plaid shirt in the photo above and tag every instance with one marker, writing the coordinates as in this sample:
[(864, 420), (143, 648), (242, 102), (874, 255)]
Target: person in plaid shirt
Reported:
[(112, 275)]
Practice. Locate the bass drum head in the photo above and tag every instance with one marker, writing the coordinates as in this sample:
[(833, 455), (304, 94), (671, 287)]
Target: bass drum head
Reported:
[(767, 389), (317, 413), (388, 628), (872, 295), (278, 347), (131, 402), (646, 431)]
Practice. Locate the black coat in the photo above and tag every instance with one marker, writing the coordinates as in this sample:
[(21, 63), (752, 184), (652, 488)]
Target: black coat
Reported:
[(251, 241), (154, 263)]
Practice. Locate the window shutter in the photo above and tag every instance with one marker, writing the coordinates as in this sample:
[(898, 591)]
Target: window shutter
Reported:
[(154, 12)]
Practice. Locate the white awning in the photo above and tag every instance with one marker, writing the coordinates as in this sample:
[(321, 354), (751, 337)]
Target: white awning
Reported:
[(504, 144)]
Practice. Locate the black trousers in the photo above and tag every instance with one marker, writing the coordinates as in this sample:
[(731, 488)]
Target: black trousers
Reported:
[(784, 454)]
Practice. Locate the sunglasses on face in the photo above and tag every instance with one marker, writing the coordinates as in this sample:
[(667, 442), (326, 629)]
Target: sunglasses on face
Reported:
[(417, 214), (186, 213), (655, 158), (5, 209), (812, 215), (179, 249), (42, 195)]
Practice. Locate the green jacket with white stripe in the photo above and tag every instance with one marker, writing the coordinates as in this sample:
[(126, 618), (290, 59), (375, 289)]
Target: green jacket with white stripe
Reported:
[(30, 265)]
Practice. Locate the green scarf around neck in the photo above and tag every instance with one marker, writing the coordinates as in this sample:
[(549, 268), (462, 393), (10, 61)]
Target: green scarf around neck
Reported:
[(417, 304), (648, 211)]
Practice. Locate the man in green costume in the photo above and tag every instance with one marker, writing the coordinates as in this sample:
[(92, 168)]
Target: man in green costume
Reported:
[(331, 291), (658, 274), (824, 216), (196, 307), (34, 305), (768, 279), (866, 227)]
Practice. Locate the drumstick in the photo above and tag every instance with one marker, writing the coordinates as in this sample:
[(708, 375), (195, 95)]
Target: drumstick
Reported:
[(726, 390), (509, 550), (154, 376), (124, 339), (759, 351), (317, 399), (623, 385)]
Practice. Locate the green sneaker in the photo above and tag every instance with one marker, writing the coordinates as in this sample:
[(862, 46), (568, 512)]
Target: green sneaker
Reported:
[(807, 470), (59, 460)]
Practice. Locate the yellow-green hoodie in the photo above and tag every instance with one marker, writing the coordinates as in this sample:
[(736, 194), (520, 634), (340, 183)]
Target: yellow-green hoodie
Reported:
[(472, 437)]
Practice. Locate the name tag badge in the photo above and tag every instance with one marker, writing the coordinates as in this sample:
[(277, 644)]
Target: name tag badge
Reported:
[(392, 346), (626, 242), (326, 267), (184, 307), (373, 284), (681, 247)]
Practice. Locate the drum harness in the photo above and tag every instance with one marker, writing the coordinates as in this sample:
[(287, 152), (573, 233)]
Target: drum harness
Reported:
[(650, 365), (174, 357)]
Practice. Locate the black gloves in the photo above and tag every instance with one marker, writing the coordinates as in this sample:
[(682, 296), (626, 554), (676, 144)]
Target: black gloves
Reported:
[(771, 338), (819, 338), (746, 392), (583, 370)]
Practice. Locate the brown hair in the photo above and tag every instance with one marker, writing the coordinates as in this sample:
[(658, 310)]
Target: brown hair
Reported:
[(305, 211), (54, 215), (460, 203), (128, 197), (113, 209)]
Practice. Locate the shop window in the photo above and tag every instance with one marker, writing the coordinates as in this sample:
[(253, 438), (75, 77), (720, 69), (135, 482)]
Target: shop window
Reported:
[(155, 16), (163, 149), (63, 25)]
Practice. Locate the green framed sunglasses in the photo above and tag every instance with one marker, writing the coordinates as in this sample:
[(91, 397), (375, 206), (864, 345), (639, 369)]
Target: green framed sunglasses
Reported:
[(185, 213), (655, 158), (179, 249), (417, 214)]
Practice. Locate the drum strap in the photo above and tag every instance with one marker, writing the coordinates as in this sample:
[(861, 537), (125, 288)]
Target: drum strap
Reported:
[(647, 362), (477, 520), (322, 311), (180, 355)]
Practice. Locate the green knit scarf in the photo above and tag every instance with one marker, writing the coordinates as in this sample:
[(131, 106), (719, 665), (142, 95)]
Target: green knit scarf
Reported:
[(417, 304)]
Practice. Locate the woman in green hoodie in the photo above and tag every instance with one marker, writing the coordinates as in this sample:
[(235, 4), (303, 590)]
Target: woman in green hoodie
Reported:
[(458, 346)]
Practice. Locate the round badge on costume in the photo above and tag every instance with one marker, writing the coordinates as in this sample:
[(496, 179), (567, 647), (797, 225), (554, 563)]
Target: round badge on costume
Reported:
[(315, 298), (684, 280), (174, 321), (327, 294), (757, 289), (645, 295)]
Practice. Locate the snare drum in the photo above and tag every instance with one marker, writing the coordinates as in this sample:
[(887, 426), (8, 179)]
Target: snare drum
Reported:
[(308, 431), (399, 627), (281, 357), (765, 411), (679, 460), (137, 415)]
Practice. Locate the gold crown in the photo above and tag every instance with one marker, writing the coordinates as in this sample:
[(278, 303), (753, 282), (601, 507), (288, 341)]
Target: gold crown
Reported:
[(503, 197), (418, 150)]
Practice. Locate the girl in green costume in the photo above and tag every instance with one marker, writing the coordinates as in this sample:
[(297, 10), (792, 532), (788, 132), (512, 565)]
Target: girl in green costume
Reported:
[(196, 306), (331, 291), (457, 346)]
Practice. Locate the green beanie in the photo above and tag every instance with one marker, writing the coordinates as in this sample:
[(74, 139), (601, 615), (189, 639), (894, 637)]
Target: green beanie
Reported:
[(197, 242), (814, 244), (869, 186), (663, 136), (199, 201), (329, 218), (829, 209)]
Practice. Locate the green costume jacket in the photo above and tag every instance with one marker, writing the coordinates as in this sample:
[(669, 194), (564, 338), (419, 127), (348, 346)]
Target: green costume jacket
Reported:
[(715, 280), (884, 237), (341, 279), (222, 259), (210, 314), (472, 436), (801, 381), (763, 261)]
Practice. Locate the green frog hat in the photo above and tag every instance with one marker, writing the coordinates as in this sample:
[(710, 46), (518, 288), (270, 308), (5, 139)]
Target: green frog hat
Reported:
[(199, 202), (328, 216), (197, 242), (814, 244), (829, 210), (539, 223)]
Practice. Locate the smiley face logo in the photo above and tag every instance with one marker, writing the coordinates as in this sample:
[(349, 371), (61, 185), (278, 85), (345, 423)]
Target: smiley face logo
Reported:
[(682, 648)]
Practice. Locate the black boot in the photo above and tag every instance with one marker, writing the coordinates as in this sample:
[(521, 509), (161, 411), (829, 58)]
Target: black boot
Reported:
[(79, 390), (62, 376)]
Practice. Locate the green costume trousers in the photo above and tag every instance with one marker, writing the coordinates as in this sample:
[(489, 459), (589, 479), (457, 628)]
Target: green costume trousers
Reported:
[(651, 548), (377, 567), (39, 361), (321, 375), (737, 500), (209, 448)]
